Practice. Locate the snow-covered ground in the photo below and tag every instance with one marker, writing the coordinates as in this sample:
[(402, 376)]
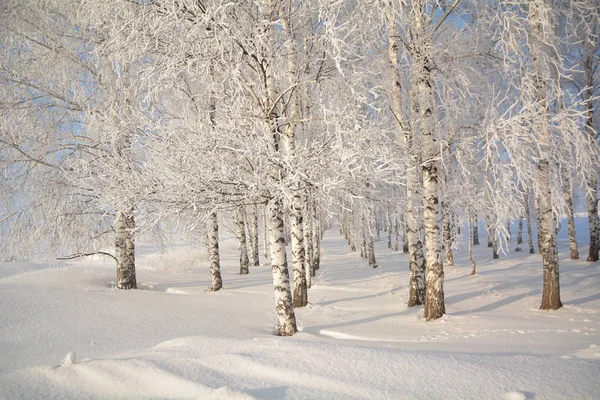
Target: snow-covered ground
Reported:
[(174, 339)]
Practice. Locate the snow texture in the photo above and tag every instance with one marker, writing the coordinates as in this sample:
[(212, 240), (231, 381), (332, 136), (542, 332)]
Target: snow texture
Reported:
[(357, 339)]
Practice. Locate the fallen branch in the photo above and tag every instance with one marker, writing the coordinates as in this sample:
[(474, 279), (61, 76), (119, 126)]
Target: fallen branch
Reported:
[(77, 255)]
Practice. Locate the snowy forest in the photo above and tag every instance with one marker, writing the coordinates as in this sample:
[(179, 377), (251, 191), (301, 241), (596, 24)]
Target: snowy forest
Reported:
[(404, 129)]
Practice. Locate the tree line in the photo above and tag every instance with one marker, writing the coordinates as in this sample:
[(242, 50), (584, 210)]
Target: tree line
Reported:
[(410, 117)]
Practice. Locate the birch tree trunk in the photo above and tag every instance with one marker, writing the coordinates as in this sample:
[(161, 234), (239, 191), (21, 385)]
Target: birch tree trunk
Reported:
[(370, 238), (551, 285), (570, 215), (396, 233), (377, 225), (265, 234), (434, 277), (592, 182), (125, 250), (361, 233), (520, 232), (351, 234), (213, 249), (286, 319), (241, 235), (493, 236), (416, 263), (389, 226), (470, 227), (447, 235), (317, 235), (475, 231), (594, 221), (308, 241), (529, 230), (405, 246), (298, 254), (253, 233)]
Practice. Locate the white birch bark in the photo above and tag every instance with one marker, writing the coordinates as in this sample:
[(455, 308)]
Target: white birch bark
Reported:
[(447, 235), (551, 284), (529, 230), (470, 233), (125, 250), (253, 236), (361, 233), (351, 233), (434, 276), (308, 241), (388, 221), (213, 249), (593, 220), (370, 238), (242, 243), (317, 236), (416, 262), (265, 234), (298, 253), (494, 239), (286, 319), (592, 183), (396, 233), (574, 251), (475, 231), (520, 231)]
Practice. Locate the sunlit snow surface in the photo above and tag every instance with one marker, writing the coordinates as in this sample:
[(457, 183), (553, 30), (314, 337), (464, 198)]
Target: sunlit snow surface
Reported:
[(173, 339)]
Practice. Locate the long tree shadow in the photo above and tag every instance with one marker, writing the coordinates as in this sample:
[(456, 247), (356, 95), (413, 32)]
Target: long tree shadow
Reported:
[(583, 300), (497, 304), (317, 328)]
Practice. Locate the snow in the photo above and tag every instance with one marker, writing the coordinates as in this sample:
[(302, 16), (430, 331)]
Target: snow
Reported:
[(173, 338)]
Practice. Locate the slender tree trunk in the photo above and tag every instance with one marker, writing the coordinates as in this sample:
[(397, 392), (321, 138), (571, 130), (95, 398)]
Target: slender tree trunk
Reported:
[(265, 234), (594, 221), (489, 236), (529, 230), (396, 233), (377, 225), (570, 215), (309, 222), (494, 237), (434, 277), (551, 285), (286, 319), (447, 235), (298, 253), (590, 66), (125, 250), (470, 226), (242, 243), (405, 246), (317, 236), (389, 226), (370, 237), (213, 248), (352, 235), (253, 234), (475, 231), (520, 233), (361, 233), (538, 217)]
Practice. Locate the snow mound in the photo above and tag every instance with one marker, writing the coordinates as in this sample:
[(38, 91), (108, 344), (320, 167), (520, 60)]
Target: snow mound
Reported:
[(68, 360), (514, 396), (590, 353)]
